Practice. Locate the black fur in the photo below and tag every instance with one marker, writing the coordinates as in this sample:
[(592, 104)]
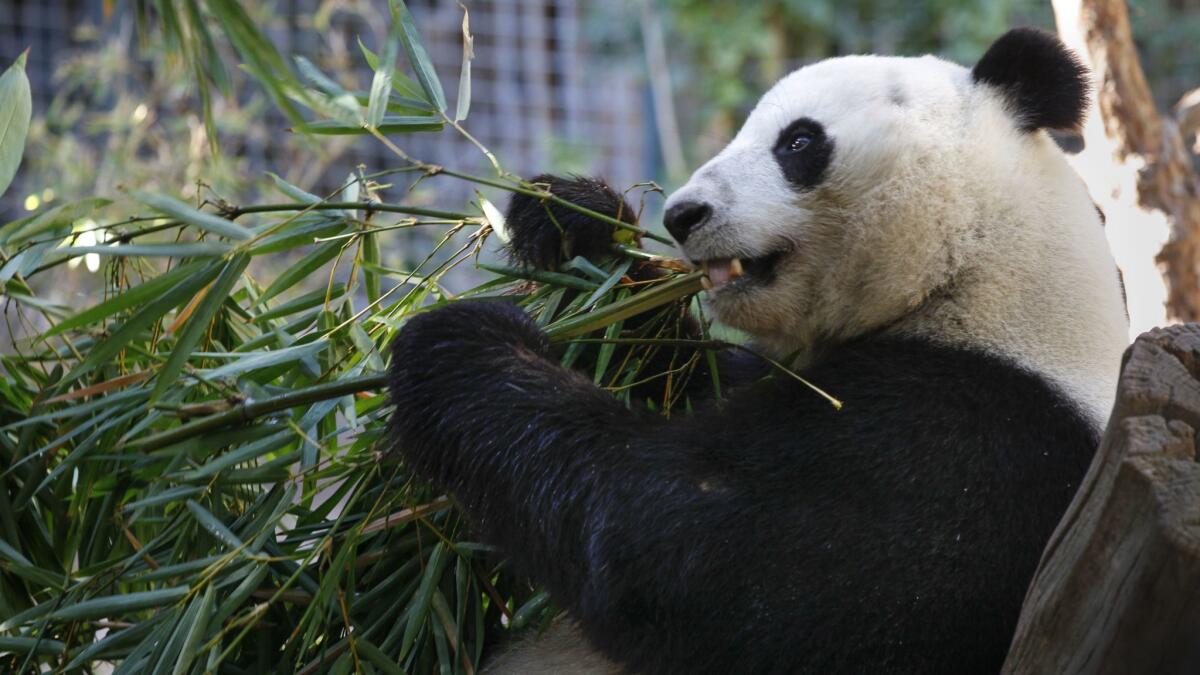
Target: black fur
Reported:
[(1045, 83), (570, 233), (804, 168), (770, 534)]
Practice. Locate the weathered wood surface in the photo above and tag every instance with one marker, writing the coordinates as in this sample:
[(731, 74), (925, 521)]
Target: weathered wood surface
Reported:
[(1118, 587)]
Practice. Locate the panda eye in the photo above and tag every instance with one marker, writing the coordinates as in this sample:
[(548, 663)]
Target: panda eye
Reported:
[(798, 142)]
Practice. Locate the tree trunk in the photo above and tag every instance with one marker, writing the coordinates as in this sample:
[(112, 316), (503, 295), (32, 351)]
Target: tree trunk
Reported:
[(1118, 587), (1142, 141)]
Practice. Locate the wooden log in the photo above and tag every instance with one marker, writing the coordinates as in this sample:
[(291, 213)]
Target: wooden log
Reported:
[(1118, 587)]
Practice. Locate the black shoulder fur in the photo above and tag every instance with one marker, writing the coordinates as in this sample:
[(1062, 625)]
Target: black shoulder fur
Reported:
[(1045, 83)]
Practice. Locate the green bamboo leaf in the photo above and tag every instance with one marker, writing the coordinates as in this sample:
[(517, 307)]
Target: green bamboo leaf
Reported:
[(16, 109), (132, 297), (22, 567), (250, 361), (381, 84), (313, 75), (39, 646), (196, 632), (551, 278), (418, 609), (422, 65), (259, 56), (143, 319), (168, 496), (400, 82), (212, 525), (310, 263), (371, 257), (240, 594), (244, 454), (375, 655), (112, 644), (181, 211), (199, 249), (114, 606), (298, 304), (661, 294), (463, 103), (303, 231), (530, 609), (197, 324), (292, 191), (390, 124)]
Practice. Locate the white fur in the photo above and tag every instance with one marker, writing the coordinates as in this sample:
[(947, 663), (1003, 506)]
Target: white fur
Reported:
[(937, 217)]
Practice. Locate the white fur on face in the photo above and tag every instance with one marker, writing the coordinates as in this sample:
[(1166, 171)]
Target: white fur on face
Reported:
[(936, 217)]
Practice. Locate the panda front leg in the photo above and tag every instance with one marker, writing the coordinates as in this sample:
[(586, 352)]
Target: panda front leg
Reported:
[(601, 504)]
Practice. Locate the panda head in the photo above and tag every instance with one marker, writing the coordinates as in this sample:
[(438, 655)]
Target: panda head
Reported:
[(861, 186)]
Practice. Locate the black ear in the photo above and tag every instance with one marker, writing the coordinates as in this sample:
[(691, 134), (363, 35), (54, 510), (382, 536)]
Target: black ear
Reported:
[(1044, 82)]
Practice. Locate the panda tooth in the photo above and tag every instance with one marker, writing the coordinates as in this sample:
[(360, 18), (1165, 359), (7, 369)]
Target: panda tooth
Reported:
[(705, 282), (735, 268)]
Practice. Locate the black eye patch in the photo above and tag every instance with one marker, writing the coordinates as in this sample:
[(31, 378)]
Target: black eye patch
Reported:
[(803, 151)]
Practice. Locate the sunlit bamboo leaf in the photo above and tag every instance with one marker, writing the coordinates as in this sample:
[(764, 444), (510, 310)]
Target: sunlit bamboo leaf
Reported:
[(16, 109)]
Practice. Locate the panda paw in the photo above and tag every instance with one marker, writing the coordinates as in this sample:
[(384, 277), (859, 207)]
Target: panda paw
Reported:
[(449, 370), (544, 234), (462, 339)]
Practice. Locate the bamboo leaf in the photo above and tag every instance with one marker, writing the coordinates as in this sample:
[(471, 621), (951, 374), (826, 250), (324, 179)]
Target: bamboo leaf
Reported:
[(381, 84), (143, 319), (292, 191), (181, 211), (39, 646), (118, 605), (421, 63), (130, 298), (418, 610), (259, 55), (16, 109), (310, 263), (250, 361), (463, 103), (212, 525), (400, 82), (197, 325), (182, 250), (196, 632)]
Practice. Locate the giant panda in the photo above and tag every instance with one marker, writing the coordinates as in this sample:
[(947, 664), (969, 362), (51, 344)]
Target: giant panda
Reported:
[(908, 233)]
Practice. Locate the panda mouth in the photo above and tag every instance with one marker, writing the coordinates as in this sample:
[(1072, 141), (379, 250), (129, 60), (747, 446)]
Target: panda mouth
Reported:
[(731, 272)]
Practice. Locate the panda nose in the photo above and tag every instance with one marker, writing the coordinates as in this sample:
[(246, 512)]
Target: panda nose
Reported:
[(684, 217)]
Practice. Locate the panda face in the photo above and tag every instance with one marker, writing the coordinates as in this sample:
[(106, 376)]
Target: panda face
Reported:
[(818, 220)]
